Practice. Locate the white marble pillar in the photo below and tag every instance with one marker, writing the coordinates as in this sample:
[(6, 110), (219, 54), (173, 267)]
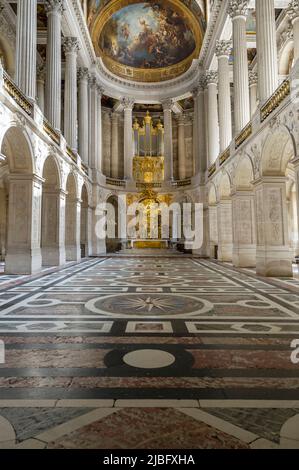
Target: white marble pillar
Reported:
[(181, 146), (71, 47), (168, 143), (114, 146), (83, 76), (253, 81), (72, 229), (244, 236), (23, 253), (225, 230), (40, 81), (53, 228), (128, 104), (237, 10), (93, 122), (199, 130), (266, 49), (213, 123), (100, 162), (223, 50), (273, 254), (293, 12), (26, 47), (54, 10)]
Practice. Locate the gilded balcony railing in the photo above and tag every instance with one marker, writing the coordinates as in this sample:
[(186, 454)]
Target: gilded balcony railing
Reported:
[(18, 96), (182, 183), (71, 154), (212, 170), (51, 132), (276, 99), (224, 156), (115, 182), (244, 134), (84, 168)]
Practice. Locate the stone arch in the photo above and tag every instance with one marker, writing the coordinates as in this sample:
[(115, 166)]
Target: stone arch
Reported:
[(244, 174), (278, 150), (286, 58), (16, 146), (112, 240), (224, 188), (20, 203), (52, 240), (72, 219)]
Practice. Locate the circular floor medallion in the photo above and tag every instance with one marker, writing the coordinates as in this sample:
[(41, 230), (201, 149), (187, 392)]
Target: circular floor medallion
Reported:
[(149, 359)]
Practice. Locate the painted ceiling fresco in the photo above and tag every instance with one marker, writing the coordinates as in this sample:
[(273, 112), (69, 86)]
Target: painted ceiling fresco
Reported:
[(147, 35)]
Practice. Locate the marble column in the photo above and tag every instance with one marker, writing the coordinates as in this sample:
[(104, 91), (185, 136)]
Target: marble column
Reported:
[(114, 146), (26, 47), (181, 146), (53, 228), (54, 9), (168, 142), (237, 10), (213, 126), (99, 167), (244, 237), (128, 104), (266, 49), (83, 76), (223, 50), (199, 130), (253, 81), (273, 254), (71, 47), (293, 12), (72, 229), (225, 232), (93, 122), (23, 253), (40, 81)]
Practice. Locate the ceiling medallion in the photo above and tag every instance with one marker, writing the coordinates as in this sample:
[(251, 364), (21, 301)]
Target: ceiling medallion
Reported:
[(147, 41)]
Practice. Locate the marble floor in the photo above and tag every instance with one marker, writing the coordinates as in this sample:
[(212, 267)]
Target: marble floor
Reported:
[(148, 352)]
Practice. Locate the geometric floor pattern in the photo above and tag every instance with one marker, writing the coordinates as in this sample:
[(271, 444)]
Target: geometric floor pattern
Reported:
[(149, 352)]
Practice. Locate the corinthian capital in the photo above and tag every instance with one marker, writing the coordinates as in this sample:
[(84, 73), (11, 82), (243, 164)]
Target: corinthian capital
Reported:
[(223, 48), (71, 45), (127, 102), (253, 78), (212, 77), (293, 9), (167, 105), (83, 73), (237, 8), (52, 6)]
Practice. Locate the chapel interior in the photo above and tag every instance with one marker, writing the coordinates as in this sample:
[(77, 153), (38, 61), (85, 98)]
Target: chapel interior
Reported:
[(143, 338)]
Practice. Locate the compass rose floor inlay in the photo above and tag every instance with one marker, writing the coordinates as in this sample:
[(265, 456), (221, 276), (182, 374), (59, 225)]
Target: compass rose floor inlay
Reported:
[(132, 352)]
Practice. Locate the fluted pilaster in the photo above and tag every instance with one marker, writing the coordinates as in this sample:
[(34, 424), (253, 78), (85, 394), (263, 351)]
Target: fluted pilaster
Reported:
[(181, 146), (237, 9), (114, 146), (128, 104), (253, 81), (266, 49), (199, 129), (54, 9), (40, 81), (71, 47), (93, 122), (26, 47), (213, 122), (83, 76), (223, 50), (168, 143), (100, 92)]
